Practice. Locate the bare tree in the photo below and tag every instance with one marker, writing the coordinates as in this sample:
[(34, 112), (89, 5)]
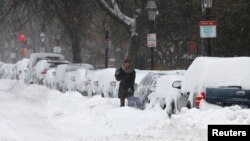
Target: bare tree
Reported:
[(135, 23)]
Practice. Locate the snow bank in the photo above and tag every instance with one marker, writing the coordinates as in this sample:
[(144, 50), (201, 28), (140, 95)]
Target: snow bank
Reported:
[(37, 113)]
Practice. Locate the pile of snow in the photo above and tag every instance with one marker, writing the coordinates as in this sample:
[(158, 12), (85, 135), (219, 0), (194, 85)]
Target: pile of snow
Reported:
[(33, 112), (7, 71)]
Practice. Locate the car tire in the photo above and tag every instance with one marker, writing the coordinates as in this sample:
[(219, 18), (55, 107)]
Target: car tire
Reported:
[(189, 105), (172, 109), (163, 106), (194, 99), (145, 102)]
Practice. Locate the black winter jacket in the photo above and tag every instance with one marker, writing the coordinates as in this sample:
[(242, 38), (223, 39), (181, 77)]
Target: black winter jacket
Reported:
[(127, 80)]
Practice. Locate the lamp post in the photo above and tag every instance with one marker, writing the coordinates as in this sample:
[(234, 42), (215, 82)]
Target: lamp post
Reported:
[(151, 37), (206, 6), (107, 23), (42, 37)]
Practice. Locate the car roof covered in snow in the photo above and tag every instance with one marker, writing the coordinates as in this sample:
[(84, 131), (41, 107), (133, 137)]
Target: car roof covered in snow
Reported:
[(35, 57), (217, 72), (82, 65)]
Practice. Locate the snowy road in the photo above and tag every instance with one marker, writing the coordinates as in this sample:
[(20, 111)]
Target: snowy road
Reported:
[(36, 113)]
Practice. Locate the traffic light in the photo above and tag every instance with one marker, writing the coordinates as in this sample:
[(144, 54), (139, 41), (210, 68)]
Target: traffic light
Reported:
[(22, 38)]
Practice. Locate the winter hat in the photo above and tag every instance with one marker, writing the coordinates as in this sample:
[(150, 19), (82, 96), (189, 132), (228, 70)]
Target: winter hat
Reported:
[(127, 61)]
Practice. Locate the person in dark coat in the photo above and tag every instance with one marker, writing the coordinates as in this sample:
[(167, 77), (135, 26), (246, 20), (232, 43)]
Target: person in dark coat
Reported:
[(126, 76)]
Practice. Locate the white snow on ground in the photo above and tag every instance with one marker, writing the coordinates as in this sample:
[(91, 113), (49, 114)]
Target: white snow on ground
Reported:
[(37, 113)]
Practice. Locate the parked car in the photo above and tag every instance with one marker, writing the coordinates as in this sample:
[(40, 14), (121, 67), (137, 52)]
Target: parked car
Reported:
[(96, 89), (148, 84), (140, 74), (34, 59), (21, 68), (62, 69), (220, 81), (83, 81), (69, 81), (167, 93), (107, 83), (43, 65), (50, 78)]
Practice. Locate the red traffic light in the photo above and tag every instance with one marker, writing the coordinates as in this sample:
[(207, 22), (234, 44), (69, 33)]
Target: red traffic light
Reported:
[(22, 38)]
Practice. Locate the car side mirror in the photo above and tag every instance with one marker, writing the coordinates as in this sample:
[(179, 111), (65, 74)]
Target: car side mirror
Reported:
[(176, 84)]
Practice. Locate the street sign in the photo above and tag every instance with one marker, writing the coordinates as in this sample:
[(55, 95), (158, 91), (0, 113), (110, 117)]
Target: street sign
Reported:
[(57, 49), (151, 40), (208, 29)]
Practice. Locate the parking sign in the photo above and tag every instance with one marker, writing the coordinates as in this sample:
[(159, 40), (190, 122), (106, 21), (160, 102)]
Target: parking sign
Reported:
[(57, 49), (208, 29), (151, 40)]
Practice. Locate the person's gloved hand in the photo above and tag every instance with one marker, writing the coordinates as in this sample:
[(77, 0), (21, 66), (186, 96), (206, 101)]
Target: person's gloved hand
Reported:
[(130, 91), (117, 72)]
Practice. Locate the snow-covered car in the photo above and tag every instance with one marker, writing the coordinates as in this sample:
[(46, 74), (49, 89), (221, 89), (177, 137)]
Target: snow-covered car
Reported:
[(44, 65), (50, 78), (62, 69), (167, 93), (140, 74), (107, 82), (96, 89), (7, 71), (83, 81), (69, 81), (231, 74), (34, 59), (148, 84), (21, 68)]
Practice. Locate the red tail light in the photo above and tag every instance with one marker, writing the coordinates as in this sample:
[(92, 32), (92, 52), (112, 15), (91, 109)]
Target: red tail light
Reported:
[(198, 99), (204, 95)]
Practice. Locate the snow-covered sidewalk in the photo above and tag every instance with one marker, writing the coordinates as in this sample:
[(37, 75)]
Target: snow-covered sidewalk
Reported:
[(37, 113)]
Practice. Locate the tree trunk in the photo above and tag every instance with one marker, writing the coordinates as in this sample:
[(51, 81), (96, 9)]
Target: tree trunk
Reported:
[(135, 39), (76, 49), (133, 48)]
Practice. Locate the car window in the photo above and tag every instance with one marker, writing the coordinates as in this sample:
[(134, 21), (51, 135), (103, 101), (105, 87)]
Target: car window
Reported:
[(52, 65), (147, 80), (37, 60), (152, 79), (52, 58), (143, 80)]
